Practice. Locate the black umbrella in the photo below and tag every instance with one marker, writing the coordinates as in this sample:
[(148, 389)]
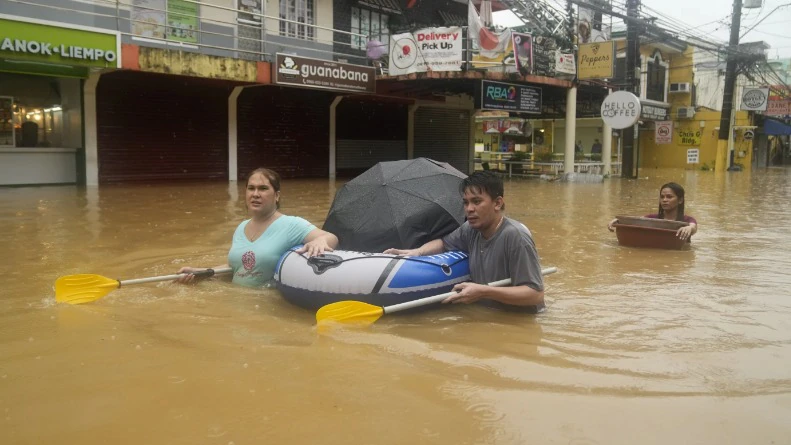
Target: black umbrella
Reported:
[(401, 204)]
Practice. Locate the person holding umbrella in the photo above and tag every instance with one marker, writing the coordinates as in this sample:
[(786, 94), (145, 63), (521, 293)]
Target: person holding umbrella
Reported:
[(498, 247)]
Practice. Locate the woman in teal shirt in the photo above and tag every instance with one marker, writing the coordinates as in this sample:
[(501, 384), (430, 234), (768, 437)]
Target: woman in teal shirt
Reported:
[(259, 242)]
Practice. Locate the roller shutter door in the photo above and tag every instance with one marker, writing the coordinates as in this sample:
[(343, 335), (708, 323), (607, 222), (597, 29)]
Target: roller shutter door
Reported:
[(155, 127), (443, 135)]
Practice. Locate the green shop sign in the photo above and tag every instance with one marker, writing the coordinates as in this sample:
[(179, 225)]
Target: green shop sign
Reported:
[(26, 46)]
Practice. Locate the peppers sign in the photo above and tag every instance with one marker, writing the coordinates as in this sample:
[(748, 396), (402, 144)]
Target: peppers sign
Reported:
[(620, 110), (42, 42)]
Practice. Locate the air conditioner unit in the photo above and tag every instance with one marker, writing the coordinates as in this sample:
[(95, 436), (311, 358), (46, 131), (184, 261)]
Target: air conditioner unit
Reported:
[(685, 112), (680, 87)]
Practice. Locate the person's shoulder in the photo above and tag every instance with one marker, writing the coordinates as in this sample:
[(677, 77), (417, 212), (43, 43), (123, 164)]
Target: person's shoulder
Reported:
[(292, 220), (690, 219), (516, 228)]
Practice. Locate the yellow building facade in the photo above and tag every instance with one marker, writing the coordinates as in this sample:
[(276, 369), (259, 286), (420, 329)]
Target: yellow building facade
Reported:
[(693, 127)]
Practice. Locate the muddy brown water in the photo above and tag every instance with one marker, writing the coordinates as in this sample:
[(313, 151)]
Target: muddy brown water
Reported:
[(637, 346)]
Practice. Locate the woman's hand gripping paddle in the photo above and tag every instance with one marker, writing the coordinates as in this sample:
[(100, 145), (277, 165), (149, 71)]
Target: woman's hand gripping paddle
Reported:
[(357, 312), (86, 288)]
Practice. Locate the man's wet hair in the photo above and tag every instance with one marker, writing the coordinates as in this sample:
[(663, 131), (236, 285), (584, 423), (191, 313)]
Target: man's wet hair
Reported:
[(484, 182)]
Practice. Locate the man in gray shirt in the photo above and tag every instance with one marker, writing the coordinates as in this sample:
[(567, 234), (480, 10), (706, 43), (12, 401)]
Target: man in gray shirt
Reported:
[(498, 247)]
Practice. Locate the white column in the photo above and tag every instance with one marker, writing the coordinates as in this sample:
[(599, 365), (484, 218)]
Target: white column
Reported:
[(571, 129), (410, 131), (91, 130), (233, 135), (333, 106), (606, 150)]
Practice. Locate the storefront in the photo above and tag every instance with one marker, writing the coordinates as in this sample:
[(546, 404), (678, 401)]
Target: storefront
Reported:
[(43, 68)]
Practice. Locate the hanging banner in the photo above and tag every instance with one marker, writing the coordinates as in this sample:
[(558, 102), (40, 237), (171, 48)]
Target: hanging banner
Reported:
[(596, 60), (491, 46), (523, 52), (755, 99), (689, 137), (564, 63), (590, 28), (148, 18), (430, 49), (664, 132), (183, 21)]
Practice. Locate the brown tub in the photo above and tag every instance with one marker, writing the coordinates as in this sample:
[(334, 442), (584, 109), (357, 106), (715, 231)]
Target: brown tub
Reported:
[(651, 237)]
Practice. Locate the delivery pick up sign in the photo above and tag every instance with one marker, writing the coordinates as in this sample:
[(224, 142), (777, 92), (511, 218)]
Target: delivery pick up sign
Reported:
[(620, 110)]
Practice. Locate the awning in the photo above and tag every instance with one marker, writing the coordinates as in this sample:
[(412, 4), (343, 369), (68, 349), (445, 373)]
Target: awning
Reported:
[(775, 128), (451, 19), (388, 6)]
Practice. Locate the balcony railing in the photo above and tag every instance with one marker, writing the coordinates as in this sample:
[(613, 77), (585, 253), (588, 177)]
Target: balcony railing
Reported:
[(220, 30)]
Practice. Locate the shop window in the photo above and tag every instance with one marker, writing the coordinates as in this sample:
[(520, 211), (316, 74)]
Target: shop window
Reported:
[(39, 111), (373, 24), (303, 13), (655, 80)]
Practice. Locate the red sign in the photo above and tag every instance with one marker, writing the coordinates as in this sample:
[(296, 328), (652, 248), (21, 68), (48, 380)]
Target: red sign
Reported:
[(780, 107), (664, 132)]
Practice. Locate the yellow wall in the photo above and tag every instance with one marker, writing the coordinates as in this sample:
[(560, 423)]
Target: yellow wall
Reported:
[(674, 155)]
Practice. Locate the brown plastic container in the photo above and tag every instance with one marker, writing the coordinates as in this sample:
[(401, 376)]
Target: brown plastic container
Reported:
[(651, 222), (650, 237)]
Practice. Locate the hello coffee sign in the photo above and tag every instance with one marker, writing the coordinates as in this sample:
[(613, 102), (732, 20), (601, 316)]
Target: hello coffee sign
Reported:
[(620, 110)]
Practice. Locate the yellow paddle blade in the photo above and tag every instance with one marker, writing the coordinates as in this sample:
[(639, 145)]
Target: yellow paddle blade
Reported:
[(355, 312), (83, 288)]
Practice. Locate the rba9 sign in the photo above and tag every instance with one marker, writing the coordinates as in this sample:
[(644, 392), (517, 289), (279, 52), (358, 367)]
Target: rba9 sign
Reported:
[(620, 110)]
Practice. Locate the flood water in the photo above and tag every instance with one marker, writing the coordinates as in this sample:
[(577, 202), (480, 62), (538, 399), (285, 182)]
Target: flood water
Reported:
[(636, 347)]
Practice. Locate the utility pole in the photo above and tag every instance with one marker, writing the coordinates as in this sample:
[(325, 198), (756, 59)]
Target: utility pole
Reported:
[(629, 135), (727, 95)]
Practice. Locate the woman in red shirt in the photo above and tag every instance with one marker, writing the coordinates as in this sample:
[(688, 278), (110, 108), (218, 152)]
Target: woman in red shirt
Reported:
[(671, 206)]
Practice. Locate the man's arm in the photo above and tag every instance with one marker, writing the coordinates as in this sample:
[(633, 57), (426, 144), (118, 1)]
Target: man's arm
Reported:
[(514, 295), (432, 247)]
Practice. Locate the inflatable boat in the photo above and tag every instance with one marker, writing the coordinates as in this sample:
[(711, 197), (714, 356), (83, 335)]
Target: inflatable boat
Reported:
[(373, 278)]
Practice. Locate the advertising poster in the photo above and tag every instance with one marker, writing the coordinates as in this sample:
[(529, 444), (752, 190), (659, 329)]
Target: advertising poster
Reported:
[(523, 52), (564, 63), (183, 22), (509, 97), (590, 28), (148, 18), (430, 49)]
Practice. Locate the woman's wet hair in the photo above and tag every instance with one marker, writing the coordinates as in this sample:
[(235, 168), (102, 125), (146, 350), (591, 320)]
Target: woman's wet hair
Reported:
[(679, 192), (483, 182), (271, 175)]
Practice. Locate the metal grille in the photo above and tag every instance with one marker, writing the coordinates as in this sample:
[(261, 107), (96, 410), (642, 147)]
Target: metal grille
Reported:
[(443, 135)]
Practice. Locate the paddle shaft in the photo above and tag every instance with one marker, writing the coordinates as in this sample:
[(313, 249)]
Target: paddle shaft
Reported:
[(202, 273), (441, 297)]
